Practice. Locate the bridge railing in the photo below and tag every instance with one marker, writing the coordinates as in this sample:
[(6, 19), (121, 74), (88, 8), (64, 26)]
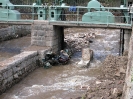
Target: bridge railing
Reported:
[(80, 14), (67, 14), (24, 13)]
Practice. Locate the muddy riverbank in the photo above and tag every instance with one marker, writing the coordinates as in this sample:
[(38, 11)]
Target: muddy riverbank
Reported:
[(109, 84)]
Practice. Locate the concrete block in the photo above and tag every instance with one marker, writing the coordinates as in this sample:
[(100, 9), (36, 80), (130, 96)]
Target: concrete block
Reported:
[(7, 74), (14, 69), (19, 73), (38, 27), (41, 43), (35, 38), (52, 43), (21, 66), (29, 54), (43, 38), (1, 78), (28, 62), (50, 27), (15, 76), (49, 38), (41, 33), (49, 43), (42, 53), (34, 32), (86, 54), (44, 27), (4, 83), (34, 42), (10, 79), (50, 33)]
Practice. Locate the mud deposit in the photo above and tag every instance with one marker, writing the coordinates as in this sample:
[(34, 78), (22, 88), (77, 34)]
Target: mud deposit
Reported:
[(109, 84)]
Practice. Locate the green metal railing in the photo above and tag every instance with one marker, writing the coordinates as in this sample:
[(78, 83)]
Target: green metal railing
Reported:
[(76, 17), (70, 16)]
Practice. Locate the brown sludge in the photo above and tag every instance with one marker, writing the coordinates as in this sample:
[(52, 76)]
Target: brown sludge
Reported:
[(109, 84)]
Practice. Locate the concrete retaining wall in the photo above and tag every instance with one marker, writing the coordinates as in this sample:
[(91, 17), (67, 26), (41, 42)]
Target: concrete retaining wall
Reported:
[(14, 31), (15, 68)]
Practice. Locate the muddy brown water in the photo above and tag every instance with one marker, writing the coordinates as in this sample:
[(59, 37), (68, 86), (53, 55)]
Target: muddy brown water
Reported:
[(13, 47), (57, 82)]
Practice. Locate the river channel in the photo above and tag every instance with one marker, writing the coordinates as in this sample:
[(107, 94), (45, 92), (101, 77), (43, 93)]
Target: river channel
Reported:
[(58, 82)]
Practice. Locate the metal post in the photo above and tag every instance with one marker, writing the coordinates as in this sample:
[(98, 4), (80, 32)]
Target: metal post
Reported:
[(131, 19), (7, 13), (32, 13), (125, 3), (77, 15), (121, 49), (107, 18), (49, 14)]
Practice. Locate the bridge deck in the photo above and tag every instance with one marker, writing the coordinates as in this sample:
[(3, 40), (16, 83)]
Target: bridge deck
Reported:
[(72, 24), (16, 22), (69, 24)]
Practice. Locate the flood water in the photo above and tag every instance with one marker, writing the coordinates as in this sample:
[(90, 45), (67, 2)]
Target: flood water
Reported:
[(13, 47), (58, 82)]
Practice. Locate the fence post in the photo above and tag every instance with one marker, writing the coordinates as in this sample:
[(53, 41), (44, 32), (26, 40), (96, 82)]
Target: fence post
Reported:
[(77, 15)]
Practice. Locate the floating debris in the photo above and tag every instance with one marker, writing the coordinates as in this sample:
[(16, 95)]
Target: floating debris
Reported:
[(52, 59)]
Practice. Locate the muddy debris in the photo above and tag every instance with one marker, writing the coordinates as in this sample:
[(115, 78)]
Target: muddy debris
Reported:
[(109, 84), (77, 41), (52, 59)]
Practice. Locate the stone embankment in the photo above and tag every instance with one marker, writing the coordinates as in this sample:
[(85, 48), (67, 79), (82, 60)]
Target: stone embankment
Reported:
[(14, 31), (16, 68)]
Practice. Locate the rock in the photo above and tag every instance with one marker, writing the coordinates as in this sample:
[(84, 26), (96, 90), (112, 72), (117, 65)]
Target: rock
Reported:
[(98, 82), (79, 98), (122, 70), (83, 63), (86, 54), (86, 57), (116, 92), (85, 87), (117, 74)]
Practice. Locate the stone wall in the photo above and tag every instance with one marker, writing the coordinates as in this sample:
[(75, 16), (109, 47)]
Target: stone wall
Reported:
[(46, 35), (14, 31), (15, 68)]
